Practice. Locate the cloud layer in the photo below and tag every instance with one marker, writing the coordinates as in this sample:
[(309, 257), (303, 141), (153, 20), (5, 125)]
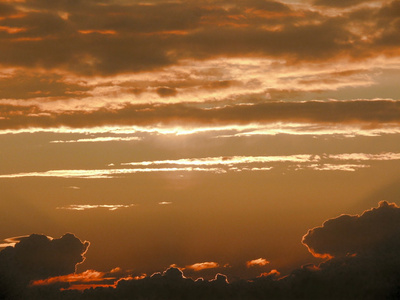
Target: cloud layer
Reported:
[(361, 262)]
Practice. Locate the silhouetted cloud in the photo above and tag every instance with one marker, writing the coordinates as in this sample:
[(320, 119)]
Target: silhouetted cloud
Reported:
[(38, 257), (361, 262), (375, 232)]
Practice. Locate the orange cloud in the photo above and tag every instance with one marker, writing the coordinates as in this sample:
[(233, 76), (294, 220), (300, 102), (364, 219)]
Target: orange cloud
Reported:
[(203, 266), (85, 280), (260, 262)]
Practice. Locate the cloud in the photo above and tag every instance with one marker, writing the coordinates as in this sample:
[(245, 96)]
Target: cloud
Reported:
[(203, 266), (257, 262), (116, 37), (11, 241), (81, 281), (375, 231), (360, 252), (348, 162), (99, 139), (38, 257), (320, 112), (108, 173), (82, 207), (340, 3), (166, 92)]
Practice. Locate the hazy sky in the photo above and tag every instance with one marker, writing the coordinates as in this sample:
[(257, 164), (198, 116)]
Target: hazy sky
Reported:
[(208, 135)]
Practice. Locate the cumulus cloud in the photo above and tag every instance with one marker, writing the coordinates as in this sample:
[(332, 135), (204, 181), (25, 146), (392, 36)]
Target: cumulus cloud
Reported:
[(375, 231), (360, 251), (38, 257)]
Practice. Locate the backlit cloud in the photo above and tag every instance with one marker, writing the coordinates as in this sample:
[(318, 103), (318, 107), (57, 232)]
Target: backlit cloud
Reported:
[(325, 112), (257, 262), (374, 230), (221, 165), (82, 207), (203, 266)]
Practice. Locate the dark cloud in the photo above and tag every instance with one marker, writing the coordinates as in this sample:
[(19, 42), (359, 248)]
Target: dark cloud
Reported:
[(23, 85), (368, 111), (339, 3), (166, 91), (375, 232), (109, 37), (363, 264), (38, 257)]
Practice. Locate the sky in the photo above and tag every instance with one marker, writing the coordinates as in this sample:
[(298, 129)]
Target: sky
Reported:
[(199, 137)]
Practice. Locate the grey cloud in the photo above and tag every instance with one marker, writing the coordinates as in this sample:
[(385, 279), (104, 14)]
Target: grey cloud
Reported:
[(115, 37), (376, 232), (38, 257), (368, 111), (166, 91), (24, 85), (365, 266), (339, 3)]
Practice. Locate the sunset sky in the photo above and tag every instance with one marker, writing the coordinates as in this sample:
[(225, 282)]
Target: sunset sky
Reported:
[(205, 135)]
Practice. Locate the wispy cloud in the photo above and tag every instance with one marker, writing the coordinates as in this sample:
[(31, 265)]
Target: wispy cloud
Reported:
[(82, 207), (99, 139), (107, 173), (224, 164), (228, 160), (333, 167)]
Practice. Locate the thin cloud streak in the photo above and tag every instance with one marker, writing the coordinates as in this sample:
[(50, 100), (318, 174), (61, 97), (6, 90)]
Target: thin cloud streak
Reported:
[(82, 207), (98, 139), (367, 113), (222, 160), (222, 164), (106, 173), (231, 131)]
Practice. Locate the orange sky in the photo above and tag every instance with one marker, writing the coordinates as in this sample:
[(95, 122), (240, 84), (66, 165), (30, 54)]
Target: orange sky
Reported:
[(208, 135)]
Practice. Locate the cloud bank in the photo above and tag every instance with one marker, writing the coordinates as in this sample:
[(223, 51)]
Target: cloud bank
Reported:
[(360, 252)]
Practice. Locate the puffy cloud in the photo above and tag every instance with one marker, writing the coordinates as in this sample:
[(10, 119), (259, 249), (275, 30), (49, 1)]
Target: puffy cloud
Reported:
[(38, 257), (374, 232), (362, 252)]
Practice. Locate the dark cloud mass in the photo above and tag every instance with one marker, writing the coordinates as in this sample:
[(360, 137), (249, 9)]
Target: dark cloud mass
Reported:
[(363, 264), (110, 37), (38, 257), (376, 231), (373, 112)]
